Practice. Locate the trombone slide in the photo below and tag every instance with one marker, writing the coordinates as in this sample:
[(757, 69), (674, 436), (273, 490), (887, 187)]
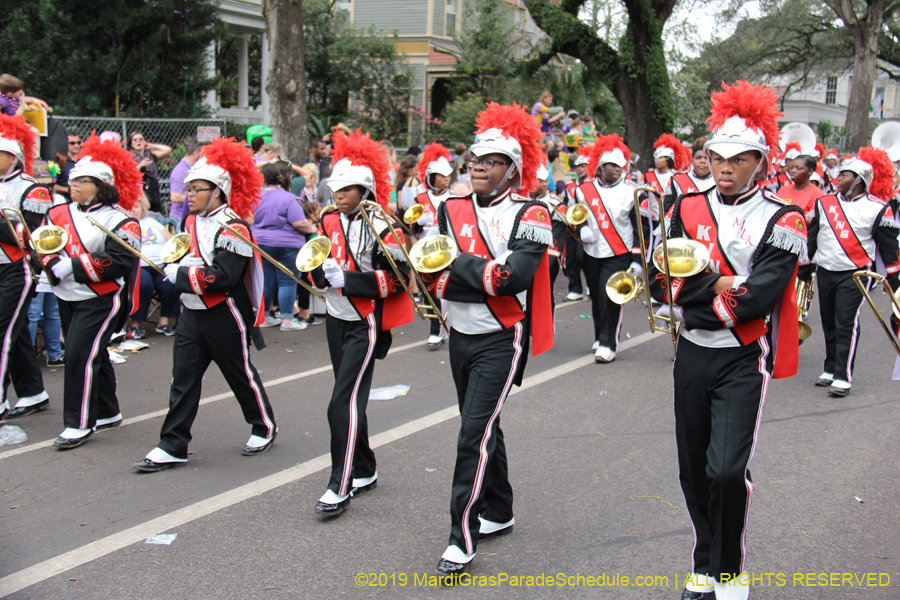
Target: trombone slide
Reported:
[(895, 303), (26, 255), (125, 245)]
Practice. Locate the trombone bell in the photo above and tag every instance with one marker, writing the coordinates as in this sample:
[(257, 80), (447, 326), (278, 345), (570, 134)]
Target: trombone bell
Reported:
[(685, 257), (412, 214), (433, 253), (623, 287), (313, 254), (49, 239), (576, 214), (804, 330), (175, 248)]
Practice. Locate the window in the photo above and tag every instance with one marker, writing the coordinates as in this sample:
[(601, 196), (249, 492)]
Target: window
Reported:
[(342, 12), (450, 18), (831, 91)]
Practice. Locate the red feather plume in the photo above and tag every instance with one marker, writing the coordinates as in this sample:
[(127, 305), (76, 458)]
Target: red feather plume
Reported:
[(787, 148), (820, 148), (246, 181), (515, 123), (127, 178), (882, 185), (682, 154), (17, 128), (433, 152), (604, 144), (361, 150), (756, 104)]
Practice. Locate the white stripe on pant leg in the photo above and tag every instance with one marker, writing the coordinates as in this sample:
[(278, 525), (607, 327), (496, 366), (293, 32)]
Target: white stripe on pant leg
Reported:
[(854, 339), (764, 344), (615, 345), (7, 338), (482, 448), (247, 370), (354, 416), (88, 370)]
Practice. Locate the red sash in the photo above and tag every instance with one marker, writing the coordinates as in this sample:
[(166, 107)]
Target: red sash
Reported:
[(60, 215), (699, 224), (593, 199), (209, 300), (652, 180), (685, 183), (425, 201), (844, 233)]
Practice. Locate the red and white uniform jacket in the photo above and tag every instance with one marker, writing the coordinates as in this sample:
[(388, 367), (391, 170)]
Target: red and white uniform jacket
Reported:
[(844, 235), (100, 266), (684, 183), (658, 181), (502, 272), (557, 209), (758, 240), (24, 194), (612, 217), (369, 279), (427, 198), (780, 179)]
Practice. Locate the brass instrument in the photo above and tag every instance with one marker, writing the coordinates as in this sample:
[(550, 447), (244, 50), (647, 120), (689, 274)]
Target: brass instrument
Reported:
[(431, 254), (895, 303), (274, 262), (577, 214), (412, 214), (624, 286), (313, 254), (175, 248), (49, 239), (12, 229), (805, 294), (125, 245)]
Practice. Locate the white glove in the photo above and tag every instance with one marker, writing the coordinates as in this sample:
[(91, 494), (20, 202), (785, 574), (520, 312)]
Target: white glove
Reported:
[(63, 269), (425, 220), (587, 235), (430, 231), (333, 273), (636, 268), (171, 270), (664, 312), (191, 261)]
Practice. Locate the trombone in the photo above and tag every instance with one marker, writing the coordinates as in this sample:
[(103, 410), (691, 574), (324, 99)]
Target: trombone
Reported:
[(125, 245), (429, 255), (895, 302)]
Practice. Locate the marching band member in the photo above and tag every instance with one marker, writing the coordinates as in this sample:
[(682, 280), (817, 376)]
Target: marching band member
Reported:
[(497, 290), (731, 314), (610, 237), (365, 300), (434, 173), (220, 280), (557, 211), (574, 250), (669, 156), (801, 190), (846, 231), (95, 278), (19, 191), (697, 179), (832, 169)]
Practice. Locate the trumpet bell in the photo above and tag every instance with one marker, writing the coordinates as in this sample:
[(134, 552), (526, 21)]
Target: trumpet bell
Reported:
[(433, 253), (175, 248), (412, 214), (804, 330), (313, 254), (686, 257), (623, 287), (576, 215), (49, 239)]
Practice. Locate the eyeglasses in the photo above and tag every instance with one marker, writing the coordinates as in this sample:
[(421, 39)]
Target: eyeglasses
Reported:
[(488, 163), (78, 143), (80, 181), (195, 191)]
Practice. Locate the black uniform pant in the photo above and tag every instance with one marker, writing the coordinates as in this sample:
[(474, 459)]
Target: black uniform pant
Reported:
[(352, 348), (218, 334), (719, 395), (18, 363), (90, 381), (484, 367), (840, 303), (606, 313), (574, 259)]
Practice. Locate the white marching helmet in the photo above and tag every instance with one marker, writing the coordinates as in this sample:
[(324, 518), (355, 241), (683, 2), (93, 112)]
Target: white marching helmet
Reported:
[(13, 147), (441, 166), (734, 137), (580, 160), (615, 156), (542, 173), (208, 172), (87, 167), (860, 168), (664, 152), (493, 141), (345, 174)]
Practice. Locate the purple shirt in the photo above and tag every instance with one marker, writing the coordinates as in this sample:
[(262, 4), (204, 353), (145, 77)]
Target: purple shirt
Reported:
[(176, 186), (274, 215), (6, 106)]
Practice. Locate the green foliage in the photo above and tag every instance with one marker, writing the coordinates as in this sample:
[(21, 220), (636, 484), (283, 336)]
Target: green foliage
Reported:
[(115, 56), (236, 130), (691, 96), (459, 119)]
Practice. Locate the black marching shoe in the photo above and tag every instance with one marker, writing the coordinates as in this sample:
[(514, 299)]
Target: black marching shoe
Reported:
[(106, 426), (689, 595), (332, 510), (69, 443), (452, 570), (359, 491), (148, 466), (250, 451), (24, 411)]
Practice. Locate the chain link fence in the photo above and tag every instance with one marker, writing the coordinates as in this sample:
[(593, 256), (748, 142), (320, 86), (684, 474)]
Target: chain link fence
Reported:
[(171, 132)]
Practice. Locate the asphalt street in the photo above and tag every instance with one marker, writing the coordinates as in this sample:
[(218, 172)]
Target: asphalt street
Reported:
[(592, 463)]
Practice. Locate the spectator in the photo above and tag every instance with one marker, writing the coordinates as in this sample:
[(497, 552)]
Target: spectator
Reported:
[(13, 100), (258, 145), (458, 186), (558, 168), (407, 180), (153, 236), (275, 153), (192, 149), (392, 159), (62, 180), (146, 156), (279, 226), (44, 309), (459, 155), (547, 116), (323, 192), (318, 152)]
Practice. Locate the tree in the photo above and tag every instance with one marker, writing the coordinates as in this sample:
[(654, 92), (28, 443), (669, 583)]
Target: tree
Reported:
[(286, 83), (112, 58), (459, 119), (636, 73)]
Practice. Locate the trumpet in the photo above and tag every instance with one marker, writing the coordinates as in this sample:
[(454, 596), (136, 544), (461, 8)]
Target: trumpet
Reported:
[(895, 302), (125, 245), (805, 294), (428, 255)]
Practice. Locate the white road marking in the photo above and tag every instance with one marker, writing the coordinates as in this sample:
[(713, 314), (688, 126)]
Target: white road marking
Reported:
[(59, 564)]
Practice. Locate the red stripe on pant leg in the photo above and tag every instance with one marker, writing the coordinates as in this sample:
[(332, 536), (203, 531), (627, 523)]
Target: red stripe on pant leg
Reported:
[(249, 372), (88, 370), (482, 460), (354, 417)]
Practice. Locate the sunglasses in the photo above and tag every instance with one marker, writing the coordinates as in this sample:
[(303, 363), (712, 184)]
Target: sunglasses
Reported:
[(78, 143)]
